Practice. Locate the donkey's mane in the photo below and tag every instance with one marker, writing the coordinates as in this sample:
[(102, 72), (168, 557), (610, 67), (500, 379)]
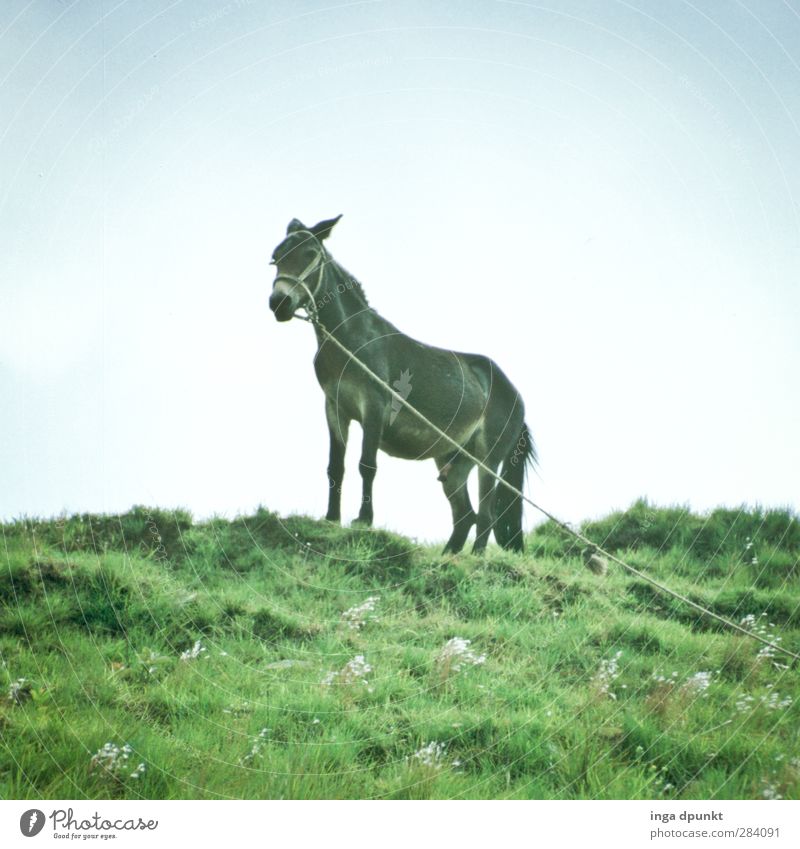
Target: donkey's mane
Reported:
[(344, 276)]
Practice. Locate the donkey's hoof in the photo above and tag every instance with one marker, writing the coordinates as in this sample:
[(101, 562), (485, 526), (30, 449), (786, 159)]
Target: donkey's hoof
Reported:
[(361, 522), (454, 545)]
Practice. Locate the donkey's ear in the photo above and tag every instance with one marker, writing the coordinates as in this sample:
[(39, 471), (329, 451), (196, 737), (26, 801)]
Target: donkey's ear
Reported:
[(323, 229), (294, 225)]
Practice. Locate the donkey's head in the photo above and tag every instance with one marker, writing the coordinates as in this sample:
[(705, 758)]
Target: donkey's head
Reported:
[(300, 259)]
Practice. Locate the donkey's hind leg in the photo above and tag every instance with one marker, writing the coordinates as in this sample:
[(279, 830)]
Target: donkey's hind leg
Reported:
[(454, 484), (487, 493)]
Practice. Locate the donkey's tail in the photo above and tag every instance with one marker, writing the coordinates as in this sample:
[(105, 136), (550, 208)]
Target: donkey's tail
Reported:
[(508, 506)]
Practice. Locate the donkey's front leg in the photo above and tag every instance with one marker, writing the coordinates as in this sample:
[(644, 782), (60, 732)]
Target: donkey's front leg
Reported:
[(368, 466), (337, 430)]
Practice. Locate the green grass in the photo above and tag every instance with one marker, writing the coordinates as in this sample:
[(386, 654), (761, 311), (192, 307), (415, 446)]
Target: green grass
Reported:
[(95, 612)]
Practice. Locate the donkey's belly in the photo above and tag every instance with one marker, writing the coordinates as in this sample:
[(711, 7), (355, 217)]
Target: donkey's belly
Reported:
[(416, 441)]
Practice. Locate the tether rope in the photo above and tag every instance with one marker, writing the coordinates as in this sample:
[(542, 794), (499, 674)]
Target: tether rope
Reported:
[(313, 317)]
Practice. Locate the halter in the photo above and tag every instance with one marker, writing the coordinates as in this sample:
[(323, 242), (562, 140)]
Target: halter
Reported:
[(300, 280)]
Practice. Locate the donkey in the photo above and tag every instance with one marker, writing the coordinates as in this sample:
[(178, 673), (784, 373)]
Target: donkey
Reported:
[(465, 395)]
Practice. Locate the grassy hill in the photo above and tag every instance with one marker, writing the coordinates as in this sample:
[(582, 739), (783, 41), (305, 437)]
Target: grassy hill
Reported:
[(216, 654)]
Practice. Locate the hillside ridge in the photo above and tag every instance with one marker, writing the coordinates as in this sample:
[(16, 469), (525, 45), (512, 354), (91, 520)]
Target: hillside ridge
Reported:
[(285, 657)]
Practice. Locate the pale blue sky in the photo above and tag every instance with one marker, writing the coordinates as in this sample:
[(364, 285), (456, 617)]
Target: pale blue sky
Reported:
[(603, 196)]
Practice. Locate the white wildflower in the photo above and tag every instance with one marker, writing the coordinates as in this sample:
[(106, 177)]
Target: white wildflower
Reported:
[(139, 771), (258, 744), (455, 654), (113, 760), (353, 672), (20, 691), (432, 756), (770, 701), (238, 708), (358, 616), (197, 650), (764, 630), (607, 674), (774, 701), (697, 684)]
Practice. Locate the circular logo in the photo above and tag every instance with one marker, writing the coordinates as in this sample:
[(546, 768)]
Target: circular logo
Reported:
[(31, 822)]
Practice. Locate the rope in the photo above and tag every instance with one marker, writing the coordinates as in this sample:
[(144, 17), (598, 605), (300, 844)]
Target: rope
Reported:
[(313, 318)]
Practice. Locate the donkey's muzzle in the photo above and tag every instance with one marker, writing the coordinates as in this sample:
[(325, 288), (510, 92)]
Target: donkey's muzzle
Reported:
[(282, 305)]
